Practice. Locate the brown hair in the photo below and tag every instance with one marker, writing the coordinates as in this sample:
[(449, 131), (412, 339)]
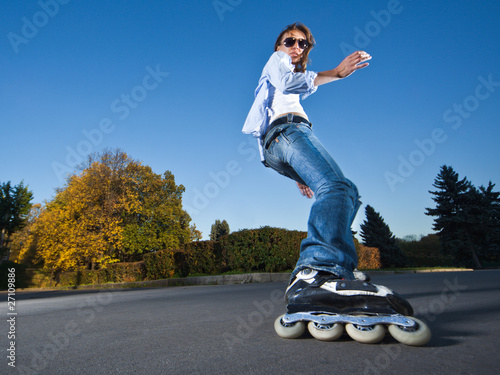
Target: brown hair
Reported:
[(302, 64)]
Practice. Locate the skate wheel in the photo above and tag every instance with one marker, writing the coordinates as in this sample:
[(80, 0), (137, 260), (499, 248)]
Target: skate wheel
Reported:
[(366, 334), (417, 336), (325, 332), (289, 331)]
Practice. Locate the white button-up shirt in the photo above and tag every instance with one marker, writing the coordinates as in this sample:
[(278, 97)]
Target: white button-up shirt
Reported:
[(279, 73)]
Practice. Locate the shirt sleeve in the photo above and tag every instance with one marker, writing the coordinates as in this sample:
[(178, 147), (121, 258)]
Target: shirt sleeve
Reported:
[(257, 119), (281, 75)]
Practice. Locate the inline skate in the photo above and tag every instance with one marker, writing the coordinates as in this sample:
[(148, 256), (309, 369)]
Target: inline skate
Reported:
[(326, 303)]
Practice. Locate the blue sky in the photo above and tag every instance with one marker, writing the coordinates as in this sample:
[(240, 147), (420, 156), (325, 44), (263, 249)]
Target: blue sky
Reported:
[(171, 82)]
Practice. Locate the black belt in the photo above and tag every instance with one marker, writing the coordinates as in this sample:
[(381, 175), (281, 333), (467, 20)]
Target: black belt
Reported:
[(288, 119)]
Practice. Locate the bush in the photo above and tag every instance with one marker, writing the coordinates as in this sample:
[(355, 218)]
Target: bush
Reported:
[(161, 264), (124, 272), (72, 278), (426, 252), (40, 278), (266, 249), (204, 257), (368, 257), (112, 273)]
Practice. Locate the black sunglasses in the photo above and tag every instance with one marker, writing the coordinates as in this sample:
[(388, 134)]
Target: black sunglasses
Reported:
[(290, 42)]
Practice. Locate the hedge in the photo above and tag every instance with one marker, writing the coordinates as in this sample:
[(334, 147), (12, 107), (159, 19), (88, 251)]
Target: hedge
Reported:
[(276, 250), (266, 249), (201, 257), (204, 257), (368, 257), (426, 252), (113, 273), (161, 264)]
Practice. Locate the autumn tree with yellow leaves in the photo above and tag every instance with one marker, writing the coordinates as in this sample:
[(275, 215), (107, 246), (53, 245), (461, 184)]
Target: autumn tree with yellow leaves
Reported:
[(115, 209)]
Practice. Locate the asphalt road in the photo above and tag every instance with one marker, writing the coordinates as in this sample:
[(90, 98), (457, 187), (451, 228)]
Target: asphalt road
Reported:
[(229, 330)]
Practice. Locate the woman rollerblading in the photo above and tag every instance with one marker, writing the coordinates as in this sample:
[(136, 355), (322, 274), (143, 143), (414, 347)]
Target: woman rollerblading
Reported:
[(324, 291)]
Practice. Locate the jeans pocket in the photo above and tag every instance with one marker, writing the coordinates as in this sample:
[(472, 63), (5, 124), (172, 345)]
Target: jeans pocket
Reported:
[(274, 150), (291, 134)]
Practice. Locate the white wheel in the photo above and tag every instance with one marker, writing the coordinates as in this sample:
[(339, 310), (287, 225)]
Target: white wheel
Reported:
[(325, 332), (417, 336), (366, 334), (289, 331)]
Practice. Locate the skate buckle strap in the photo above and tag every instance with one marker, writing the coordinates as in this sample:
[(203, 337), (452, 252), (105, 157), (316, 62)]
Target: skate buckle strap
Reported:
[(323, 278), (356, 285)]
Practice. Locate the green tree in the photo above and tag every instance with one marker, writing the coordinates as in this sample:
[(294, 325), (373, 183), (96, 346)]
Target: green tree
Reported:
[(481, 225), (115, 209), (376, 233), (159, 221), (15, 204), (449, 223), (467, 219), (490, 223), (219, 229)]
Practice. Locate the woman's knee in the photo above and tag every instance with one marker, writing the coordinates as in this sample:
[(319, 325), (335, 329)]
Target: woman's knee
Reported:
[(336, 186)]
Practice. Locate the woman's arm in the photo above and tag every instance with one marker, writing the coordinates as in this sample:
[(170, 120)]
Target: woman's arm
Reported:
[(280, 72), (349, 65)]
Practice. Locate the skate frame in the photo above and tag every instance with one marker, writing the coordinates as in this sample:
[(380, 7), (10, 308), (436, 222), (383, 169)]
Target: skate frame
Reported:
[(329, 318)]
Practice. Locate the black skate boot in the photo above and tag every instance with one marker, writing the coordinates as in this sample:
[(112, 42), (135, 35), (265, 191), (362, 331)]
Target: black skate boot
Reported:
[(324, 292), (327, 302)]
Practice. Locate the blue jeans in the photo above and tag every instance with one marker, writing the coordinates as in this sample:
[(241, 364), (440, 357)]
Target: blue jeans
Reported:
[(294, 151)]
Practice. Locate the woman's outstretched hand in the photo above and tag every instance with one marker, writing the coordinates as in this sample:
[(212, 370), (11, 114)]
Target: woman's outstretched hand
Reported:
[(353, 62), (349, 65)]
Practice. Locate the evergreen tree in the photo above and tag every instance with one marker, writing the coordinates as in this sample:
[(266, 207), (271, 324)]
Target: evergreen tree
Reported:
[(491, 223), (467, 219), (376, 233), (450, 200), (14, 208), (219, 229), (481, 221)]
